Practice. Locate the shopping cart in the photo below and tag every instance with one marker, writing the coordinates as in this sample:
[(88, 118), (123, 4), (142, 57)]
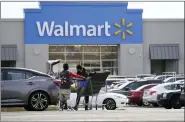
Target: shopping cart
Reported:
[(92, 87)]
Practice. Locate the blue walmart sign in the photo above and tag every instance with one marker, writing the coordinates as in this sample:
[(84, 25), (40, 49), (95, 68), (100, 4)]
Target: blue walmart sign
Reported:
[(83, 23)]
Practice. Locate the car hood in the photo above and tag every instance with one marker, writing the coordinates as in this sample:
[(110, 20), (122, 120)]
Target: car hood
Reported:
[(114, 90), (116, 95)]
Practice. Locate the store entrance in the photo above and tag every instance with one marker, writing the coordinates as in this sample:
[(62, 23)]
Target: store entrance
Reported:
[(92, 57)]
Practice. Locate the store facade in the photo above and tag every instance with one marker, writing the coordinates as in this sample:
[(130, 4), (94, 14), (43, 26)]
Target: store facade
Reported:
[(98, 35)]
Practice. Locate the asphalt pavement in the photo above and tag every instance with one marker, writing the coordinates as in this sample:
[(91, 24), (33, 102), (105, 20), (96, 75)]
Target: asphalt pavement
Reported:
[(123, 114)]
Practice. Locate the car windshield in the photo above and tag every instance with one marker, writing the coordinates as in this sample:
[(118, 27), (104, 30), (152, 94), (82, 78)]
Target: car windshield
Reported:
[(123, 85), (134, 85)]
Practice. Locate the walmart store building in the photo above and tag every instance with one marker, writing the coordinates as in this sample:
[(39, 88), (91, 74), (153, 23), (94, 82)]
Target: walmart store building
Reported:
[(100, 36)]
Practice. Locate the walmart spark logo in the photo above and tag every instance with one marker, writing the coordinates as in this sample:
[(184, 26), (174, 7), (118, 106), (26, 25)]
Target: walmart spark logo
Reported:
[(119, 27)]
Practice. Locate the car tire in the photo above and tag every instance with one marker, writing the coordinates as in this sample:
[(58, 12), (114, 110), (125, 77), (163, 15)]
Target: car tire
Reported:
[(155, 104), (139, 103), (175, 102), (110, 104), (38, 101), (27, 108), (145, 103), (168, 105)]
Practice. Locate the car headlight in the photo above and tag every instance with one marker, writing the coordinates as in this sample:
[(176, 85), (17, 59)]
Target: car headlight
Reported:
[(164, 95)]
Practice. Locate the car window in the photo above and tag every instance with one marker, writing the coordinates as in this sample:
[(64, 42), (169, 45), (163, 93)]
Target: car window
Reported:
[(173, 87), (18, 75), (133, 85)]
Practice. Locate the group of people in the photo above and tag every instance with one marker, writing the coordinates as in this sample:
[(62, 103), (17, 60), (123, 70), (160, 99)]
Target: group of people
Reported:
[(66, 80)]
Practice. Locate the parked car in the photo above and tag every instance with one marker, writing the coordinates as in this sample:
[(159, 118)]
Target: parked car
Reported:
[(111, 81), (162, 77), (173, 79), (110, 100), (172, 99), (126, 87), (141, 76), (151, 95), (33, 90), (136, 96), (180, 81)]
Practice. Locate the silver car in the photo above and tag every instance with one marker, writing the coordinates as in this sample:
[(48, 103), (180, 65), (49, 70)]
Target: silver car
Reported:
[(33, 90)]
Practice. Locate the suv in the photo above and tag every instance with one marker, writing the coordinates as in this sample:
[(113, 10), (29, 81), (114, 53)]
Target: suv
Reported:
[(125, 88), (172, 99)]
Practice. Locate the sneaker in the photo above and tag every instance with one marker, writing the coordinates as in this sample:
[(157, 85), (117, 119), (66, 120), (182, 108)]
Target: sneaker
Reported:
[(60, 109)]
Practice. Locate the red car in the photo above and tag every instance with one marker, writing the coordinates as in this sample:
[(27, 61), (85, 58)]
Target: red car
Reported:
[(135, 96)]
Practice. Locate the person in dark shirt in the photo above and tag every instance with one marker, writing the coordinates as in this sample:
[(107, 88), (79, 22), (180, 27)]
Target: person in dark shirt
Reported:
[(66, 81), (81, 71)]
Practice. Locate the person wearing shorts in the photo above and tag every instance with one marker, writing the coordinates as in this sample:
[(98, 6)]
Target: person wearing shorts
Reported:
[(66, 81)]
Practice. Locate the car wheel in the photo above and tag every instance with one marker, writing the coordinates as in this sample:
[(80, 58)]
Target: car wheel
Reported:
[(27, 108), (139, 103), (110, 104), (145, 103), (167, 105), (39, 101), (155, 104), (175, 102)]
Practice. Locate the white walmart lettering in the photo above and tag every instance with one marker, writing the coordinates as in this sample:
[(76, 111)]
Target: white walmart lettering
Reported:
[(72, 30)]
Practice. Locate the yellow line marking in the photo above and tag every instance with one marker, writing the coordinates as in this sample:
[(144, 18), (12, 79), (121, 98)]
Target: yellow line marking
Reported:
[(123, 21), (129, 25), (117, 32), (129, 32), (117, 25), (123, 36)]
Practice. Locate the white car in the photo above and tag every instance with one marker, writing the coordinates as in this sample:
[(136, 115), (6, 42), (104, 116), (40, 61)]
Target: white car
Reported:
[(180, 81), (162, 77), (110, 100), (151, 95), (173, 79)]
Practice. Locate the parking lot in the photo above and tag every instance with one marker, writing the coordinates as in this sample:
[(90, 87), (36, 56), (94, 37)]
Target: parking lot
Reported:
[(122, 114)]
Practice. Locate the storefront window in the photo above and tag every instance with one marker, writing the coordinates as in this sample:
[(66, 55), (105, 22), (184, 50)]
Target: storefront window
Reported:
[(92, 57), (74, 48), (56, 55), (91, 48), (109, 49), (109, 56), (109, 64), (73, 56), (57, 48)]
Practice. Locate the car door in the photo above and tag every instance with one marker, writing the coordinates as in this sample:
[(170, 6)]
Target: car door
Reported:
[(16, 86)]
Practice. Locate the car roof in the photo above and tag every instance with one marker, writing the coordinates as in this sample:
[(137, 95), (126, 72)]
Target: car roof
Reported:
[(26, 69)]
